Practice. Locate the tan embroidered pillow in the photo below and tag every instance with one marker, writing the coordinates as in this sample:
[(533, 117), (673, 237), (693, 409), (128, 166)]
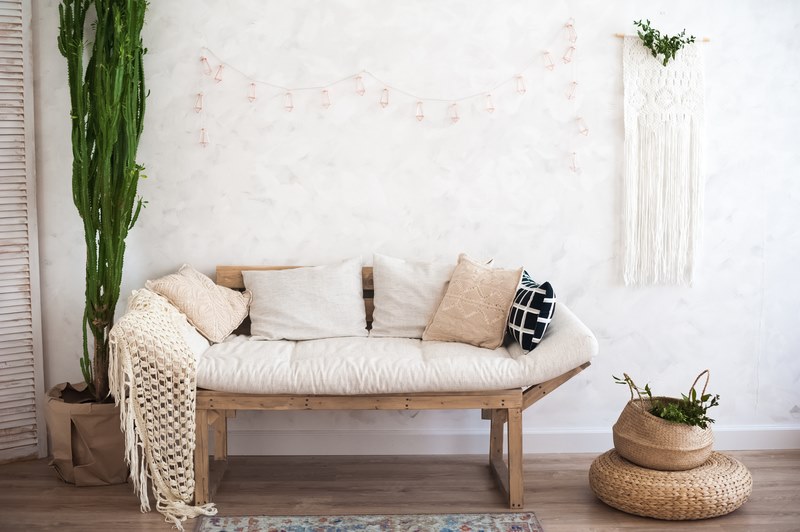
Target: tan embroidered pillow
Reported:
[(214, 310), (475, 307)]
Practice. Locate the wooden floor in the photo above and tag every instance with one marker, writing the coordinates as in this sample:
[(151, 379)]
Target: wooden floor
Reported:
[(556, 488)]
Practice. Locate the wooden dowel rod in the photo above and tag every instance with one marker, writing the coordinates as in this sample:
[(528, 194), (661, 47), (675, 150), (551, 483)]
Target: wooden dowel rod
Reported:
[(621, 35)]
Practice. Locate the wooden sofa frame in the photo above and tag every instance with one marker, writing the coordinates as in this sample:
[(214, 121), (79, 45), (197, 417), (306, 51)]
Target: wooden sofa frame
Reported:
[(500, 406)]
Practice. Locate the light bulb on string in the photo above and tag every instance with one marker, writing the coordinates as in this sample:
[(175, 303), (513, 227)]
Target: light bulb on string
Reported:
[(520, 85), (454, 118), (218, 75), (360, 90), (206, 66), (198, 102), (203, 137), (568, 55), (571, 90), (583, 129), (548, 60), (419, 113), (251, 93), (489, 104), (326, 99), (573, 163), (384, 98), (288, 103), (572, 35)]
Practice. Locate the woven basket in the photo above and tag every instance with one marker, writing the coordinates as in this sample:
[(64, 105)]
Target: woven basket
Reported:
[(719, 486), (656, 443)]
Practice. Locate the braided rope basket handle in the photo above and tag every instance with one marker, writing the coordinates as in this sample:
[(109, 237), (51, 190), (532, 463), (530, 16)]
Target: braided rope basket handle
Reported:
[(707, 373)]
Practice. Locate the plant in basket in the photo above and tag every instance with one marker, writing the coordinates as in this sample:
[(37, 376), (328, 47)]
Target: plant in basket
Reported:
[(666, 433)]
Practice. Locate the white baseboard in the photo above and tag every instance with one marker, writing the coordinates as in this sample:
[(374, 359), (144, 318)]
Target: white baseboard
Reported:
[(388, 442)]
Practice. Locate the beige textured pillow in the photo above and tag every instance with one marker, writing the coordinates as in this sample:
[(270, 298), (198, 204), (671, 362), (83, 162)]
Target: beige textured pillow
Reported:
[(406, 295), (475, 307), (214, 310)]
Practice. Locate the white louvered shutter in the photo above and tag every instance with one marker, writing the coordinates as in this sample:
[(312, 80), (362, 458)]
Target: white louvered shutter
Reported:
[(21, 421)]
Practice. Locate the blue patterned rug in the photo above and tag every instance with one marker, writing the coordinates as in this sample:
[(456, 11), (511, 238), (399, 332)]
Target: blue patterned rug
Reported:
[(520, 522)]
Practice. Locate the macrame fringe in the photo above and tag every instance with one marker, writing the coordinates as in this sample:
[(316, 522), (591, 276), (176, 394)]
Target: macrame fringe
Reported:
[(663, 186), (152, 378)]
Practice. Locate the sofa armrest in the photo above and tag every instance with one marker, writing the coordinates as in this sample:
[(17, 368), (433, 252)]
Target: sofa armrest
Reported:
[(568, 342)]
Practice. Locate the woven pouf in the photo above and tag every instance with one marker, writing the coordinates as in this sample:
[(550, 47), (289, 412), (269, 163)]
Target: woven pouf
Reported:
[(719, 486)]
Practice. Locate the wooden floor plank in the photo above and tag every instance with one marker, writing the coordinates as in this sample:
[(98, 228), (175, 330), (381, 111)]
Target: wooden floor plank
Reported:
[(556, 488)]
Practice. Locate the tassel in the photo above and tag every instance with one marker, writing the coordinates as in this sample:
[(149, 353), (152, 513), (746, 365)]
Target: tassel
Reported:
[(360, 90), (218, 75), (203, 137), (326, 99), (384, 98), (288, 104), (489, 104), (198, 102), (251, 95), (419, 114)]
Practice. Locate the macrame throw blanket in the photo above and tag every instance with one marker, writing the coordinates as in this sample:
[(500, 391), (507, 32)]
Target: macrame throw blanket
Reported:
[(663, 198), (152, 377)]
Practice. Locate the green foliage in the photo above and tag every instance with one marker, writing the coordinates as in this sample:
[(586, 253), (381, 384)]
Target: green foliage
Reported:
[(665, 45), (107, 110), (689, 409)]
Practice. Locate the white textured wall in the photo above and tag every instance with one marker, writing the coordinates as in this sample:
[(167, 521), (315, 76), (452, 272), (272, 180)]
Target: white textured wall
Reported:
[(314, 186)]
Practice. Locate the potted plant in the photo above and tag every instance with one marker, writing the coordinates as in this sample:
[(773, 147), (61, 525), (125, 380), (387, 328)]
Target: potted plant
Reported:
[(665, 433), (107, 95)]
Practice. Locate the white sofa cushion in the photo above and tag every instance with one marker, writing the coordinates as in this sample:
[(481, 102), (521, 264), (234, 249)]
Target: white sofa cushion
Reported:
[(406, 295), (307, 303), (347, 366)]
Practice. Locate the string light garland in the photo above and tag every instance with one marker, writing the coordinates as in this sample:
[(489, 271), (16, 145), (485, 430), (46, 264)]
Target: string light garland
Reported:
[(420, 115), (521, 85), (454, 118), (544, 61)]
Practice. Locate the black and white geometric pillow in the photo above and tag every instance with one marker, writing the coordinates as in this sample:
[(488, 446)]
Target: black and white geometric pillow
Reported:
[(531, 312)]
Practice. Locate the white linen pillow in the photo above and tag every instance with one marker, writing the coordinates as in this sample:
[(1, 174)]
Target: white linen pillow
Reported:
[(407, 295), (307, 303)]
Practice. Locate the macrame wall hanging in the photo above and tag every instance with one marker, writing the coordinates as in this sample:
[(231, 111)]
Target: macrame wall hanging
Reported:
[(663, 184)]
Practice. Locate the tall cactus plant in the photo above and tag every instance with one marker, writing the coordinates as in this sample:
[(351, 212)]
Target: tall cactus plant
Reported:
[(108, 103)]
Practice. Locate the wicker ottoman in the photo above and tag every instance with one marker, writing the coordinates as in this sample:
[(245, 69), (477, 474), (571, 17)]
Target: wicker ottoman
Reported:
[(717, 487)]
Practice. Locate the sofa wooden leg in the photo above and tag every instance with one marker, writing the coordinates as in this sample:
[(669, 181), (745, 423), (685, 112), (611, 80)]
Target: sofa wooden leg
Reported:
[(496, 435), (515, 478), (201, 457), (221, 437)]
